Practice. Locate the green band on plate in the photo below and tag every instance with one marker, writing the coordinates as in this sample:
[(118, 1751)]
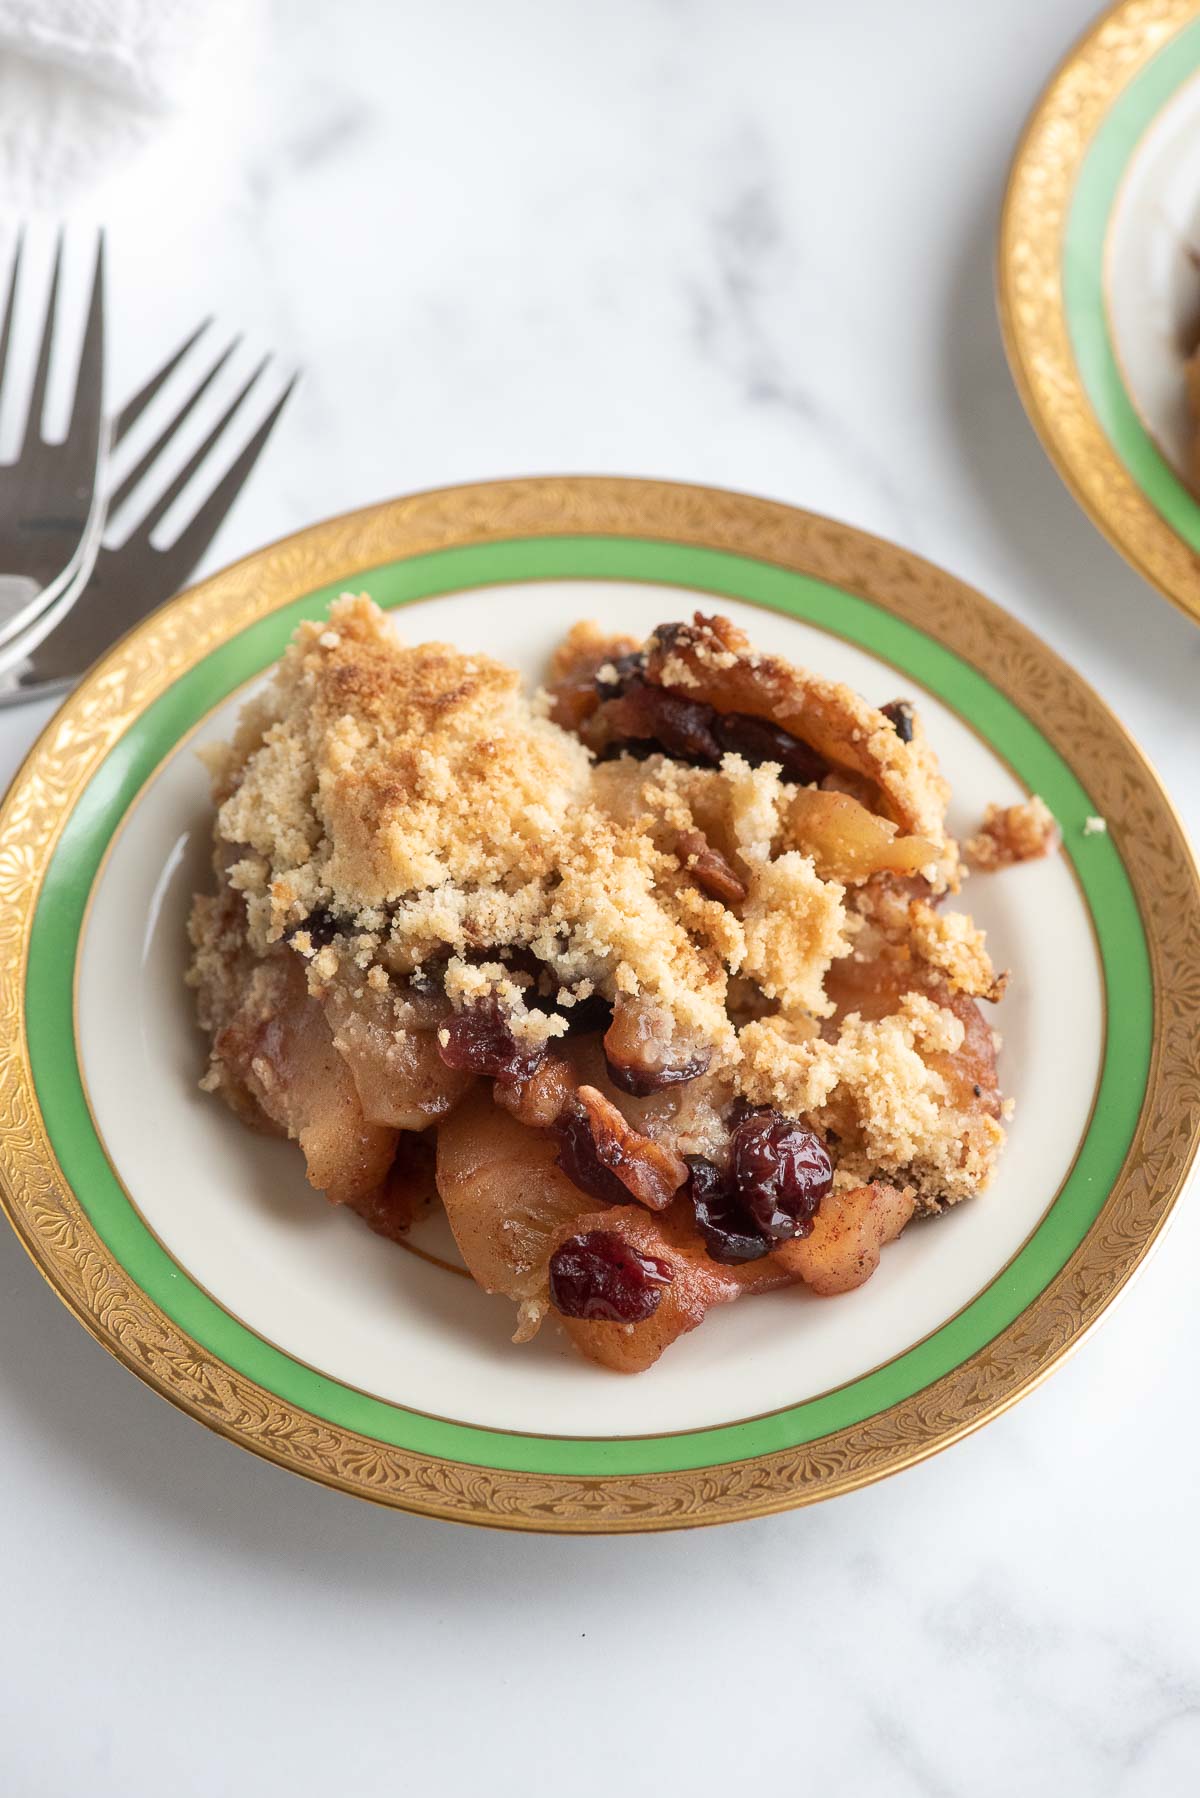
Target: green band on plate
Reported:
[(55, 939), (1083, 277)]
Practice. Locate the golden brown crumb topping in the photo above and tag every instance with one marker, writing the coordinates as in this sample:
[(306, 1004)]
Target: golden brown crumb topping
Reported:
[(738, 861), (1013, 833), (417, 798)]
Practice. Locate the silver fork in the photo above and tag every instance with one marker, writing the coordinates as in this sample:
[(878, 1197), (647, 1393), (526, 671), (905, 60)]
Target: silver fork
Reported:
[(124, 583), (51, 509)]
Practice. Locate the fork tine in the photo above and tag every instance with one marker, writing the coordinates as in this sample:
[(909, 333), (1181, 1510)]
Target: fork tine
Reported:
[(133, 408), (6, 328), (117, 499), (129, 581), (195, 537), (83, 426), (37, 399), (196, 460)]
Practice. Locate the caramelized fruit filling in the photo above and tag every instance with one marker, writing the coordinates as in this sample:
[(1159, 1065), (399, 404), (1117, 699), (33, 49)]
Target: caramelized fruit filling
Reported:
[(643, 1051), (637, 714), (601, 1277), (480, 1040), (645, 983)]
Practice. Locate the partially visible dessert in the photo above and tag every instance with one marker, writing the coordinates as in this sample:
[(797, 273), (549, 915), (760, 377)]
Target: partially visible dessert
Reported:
[(650, 980)]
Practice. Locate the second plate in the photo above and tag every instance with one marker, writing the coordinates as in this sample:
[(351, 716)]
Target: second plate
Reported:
[(1099, 282)]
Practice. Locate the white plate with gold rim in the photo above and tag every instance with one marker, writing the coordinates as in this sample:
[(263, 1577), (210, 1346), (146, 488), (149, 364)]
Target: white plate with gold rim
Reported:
[(197, 1253), (1099, 281)]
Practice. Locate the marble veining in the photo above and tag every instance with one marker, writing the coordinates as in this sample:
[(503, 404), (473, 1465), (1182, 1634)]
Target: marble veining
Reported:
[(742, 325)]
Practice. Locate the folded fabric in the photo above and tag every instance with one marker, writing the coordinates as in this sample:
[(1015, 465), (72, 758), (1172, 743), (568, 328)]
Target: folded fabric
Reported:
[(84, 80)]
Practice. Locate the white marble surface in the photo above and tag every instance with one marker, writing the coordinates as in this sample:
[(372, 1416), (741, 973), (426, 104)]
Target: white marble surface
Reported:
[(747, 245)]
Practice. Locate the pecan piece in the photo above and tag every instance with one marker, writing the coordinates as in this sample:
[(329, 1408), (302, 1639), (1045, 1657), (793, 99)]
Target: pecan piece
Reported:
[(651, 1173), (709, 868), (641, 1052)]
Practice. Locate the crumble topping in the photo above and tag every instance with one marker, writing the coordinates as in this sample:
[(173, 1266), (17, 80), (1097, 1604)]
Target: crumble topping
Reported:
[(669, 930), (415, 795), (1013, 833), (794, 927), (952, 944), (878, 1087)]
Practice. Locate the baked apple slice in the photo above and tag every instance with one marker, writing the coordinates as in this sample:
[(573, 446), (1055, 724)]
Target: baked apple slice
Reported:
[(627, 1284), (712, 662), (408, 1192), (388, 1040), (848, 1233), (507, 1200), (279, 1049)]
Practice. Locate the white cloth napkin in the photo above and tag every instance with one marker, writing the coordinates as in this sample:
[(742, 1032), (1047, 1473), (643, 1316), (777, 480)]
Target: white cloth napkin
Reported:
[(84, 81)]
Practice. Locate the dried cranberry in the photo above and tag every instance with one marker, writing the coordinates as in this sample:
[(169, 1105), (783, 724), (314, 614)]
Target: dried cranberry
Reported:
[(900, 716), (322, 926), (600, 1276), (666, 636), (681, 727), (581, 1164), (758, 740), (781, 1172), (479, 1040), (730, 1233), (624, 668)]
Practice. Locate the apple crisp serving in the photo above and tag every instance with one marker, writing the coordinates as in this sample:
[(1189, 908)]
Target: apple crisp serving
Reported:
[(649, 980)]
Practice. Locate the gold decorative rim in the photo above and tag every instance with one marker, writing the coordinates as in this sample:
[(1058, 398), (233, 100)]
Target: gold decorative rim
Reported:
[(59, 1238), (1033, 225)]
